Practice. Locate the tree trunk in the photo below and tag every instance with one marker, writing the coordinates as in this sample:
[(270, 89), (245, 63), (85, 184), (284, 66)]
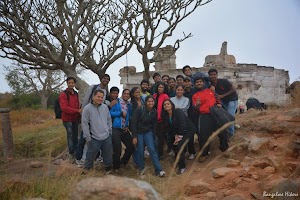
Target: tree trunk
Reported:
[(146, 62), (44, 100), (81, 85)]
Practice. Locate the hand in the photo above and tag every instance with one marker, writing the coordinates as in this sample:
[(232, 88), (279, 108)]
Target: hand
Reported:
[(124, 114), (80, 110), (125, 130), (134, 141), (178, 138), (113, 102), (221, 96), (219, 105), (212, 88)]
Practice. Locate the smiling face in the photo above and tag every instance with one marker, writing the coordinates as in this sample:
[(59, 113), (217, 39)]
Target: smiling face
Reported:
[(179, 91), (71, 84), (105, 80), (167, 105), (125, 95), (137, 93), (98, 98), (179, 81), (145, 87), (114, 95), (199, 83), (187, 71), (150, 103), (160, 89), (213, 76)]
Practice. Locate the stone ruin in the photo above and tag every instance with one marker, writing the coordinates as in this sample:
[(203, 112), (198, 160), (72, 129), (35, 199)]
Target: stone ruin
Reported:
[(265, 83)]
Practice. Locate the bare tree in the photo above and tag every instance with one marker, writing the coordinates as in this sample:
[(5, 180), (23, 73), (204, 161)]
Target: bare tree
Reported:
[(152, 22), (65, 35), (22, 79)]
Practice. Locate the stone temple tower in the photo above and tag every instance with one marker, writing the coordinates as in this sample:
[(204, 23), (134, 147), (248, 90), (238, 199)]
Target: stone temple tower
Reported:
[(165, 59)]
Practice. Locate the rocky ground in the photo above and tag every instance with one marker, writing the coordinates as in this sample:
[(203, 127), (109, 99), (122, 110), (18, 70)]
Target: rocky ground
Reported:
[(263, 160)]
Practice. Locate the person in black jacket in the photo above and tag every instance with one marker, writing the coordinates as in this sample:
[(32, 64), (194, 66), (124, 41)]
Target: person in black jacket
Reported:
[(143, 129), (181, 127)]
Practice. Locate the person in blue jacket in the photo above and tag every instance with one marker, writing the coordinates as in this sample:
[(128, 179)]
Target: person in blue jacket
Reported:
[(120, 113)]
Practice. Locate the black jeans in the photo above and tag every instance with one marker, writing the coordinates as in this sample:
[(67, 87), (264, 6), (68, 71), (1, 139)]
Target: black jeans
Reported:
[(161, 136), (181, 162), (118, 136), (207, 127)]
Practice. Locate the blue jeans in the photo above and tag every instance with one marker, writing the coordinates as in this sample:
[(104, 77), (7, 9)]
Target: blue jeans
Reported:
[(72, 135), (231, 107), (93, 148), (146, 138)]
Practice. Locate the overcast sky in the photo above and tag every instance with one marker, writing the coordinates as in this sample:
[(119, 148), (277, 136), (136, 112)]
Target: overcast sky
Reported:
[(263, 32)]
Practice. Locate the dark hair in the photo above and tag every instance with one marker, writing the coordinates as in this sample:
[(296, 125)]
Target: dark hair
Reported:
[(155, 74), (125, 90), (212, 70), (71, 78), (114, 88), (172, 78), (179, 76), (145, 81), (105, 75), (187, 66), (165, 75), (166, 89), (177, 86), (132, 91), (147, 98), (164, 113), (199, 78), (96, 92)]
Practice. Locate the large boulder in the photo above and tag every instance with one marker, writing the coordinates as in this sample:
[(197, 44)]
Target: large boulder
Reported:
[(113, 188)]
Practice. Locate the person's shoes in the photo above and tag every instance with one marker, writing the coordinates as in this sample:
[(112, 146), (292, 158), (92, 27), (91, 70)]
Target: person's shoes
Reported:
[(171, 153), (107, 170), (99, 160), (223, 149), (85, 171), (146, 153), (79, 163), (161, 174), (237, 126), (182, 170), (203, 159), (191, 156)]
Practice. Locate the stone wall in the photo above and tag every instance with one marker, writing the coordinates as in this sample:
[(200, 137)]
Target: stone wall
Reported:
[(264, 83)]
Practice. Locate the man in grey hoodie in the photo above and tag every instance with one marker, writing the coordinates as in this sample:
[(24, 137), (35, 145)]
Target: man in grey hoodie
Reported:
[(97, 130)]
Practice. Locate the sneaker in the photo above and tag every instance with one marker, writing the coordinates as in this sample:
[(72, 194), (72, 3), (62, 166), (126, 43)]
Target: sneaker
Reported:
[(181, 171), (107, 170), (171, 153), (161, 174), (203, 159), (146, 153), (99, 160), (79, 163), (191, 156), (237, 126)]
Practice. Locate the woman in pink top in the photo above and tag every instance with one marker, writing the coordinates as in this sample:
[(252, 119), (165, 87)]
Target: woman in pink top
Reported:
[(161, 132)]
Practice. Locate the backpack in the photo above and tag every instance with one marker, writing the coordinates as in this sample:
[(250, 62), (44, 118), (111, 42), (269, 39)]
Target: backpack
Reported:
[(57, 109), (221, 115), (93, 90), (253, 103)]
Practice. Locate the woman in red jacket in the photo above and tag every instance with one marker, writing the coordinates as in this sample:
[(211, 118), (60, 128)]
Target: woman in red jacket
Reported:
[(203, 100), (161, 132)]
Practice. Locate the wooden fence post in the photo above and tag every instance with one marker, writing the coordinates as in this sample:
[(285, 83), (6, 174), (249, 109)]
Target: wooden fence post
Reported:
[(8, 143)]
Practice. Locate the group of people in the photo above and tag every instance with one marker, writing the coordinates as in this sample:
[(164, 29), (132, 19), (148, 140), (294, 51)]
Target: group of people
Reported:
[(168, 113)]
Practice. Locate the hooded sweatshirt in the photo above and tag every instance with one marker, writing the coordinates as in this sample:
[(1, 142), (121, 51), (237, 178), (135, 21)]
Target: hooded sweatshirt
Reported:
[(96, 122)]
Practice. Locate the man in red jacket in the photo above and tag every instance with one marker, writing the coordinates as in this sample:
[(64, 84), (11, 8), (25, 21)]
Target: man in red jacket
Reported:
[(69, 104), (203, 100)]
